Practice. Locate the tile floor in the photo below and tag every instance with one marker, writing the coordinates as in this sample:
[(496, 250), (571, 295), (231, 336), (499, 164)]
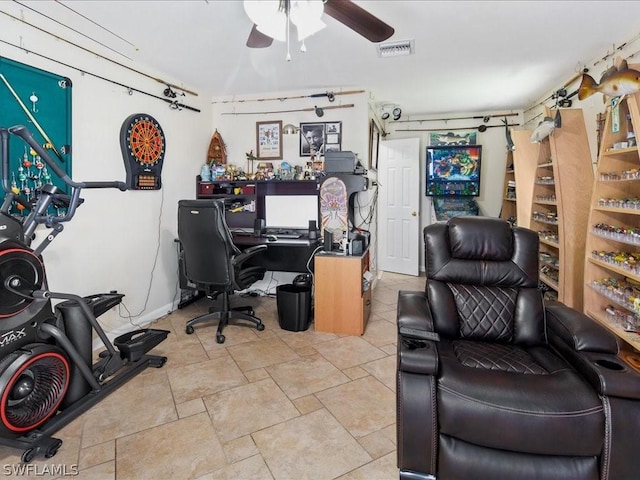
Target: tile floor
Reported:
[(274, 405)]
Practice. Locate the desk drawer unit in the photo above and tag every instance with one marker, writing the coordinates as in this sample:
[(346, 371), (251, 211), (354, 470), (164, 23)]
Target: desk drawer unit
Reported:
[(342, 304)]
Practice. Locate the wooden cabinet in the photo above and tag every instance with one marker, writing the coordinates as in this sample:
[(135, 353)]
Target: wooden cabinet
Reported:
[(559, 172), (612, 268), (509, 210), (342, 294)]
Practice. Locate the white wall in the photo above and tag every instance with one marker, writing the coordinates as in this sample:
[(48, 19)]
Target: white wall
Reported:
[(234, 119), (111, 242)]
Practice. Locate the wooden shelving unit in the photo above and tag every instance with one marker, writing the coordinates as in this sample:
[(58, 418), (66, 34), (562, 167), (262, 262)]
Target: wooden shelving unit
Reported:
[(612, 267), (560, 174), (525, 159), (509, 210)]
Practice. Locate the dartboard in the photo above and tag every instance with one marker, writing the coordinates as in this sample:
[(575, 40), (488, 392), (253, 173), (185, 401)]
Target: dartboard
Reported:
[(144, 139), (143, 145)]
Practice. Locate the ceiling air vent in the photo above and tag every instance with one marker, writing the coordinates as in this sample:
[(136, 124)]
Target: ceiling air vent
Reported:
[(395, 49)]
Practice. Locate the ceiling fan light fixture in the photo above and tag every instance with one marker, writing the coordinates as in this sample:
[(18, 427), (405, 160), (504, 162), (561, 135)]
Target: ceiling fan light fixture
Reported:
[(268, 17), (396, 49), (305, 15)]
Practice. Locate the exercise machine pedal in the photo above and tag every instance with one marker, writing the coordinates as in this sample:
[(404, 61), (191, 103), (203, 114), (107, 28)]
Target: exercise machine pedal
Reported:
[(134, 345)]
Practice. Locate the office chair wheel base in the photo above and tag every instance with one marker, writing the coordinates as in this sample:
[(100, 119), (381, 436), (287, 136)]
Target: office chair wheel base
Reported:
[(189, 330), (260, 327), (220, 338)]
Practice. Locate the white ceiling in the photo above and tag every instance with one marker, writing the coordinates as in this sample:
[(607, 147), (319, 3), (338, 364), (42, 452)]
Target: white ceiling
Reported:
[(470, 56)]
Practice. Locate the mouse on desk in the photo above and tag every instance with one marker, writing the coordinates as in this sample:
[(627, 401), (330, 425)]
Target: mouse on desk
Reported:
[(271, 238)]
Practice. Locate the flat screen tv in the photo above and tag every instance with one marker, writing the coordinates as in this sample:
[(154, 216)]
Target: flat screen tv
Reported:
[(453, 170)]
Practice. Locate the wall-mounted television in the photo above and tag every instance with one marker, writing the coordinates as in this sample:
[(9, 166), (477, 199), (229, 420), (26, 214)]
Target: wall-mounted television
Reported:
[(453, 170)]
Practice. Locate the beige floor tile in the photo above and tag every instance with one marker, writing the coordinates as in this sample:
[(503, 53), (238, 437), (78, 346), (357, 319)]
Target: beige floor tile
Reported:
[(261, 353), (97, 454), (307, 404), (205, 378), (362, 406), (306, 375), (248, 408), (381, 469), (314, 446), (144, 402), (104, 471), (183, 351), (348, 351), (240, 448), (186, 448), (380, 332), (384, 369), (252, 468)]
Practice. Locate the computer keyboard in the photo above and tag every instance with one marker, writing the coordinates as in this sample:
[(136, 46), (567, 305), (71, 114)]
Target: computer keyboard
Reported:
[(289, 235)]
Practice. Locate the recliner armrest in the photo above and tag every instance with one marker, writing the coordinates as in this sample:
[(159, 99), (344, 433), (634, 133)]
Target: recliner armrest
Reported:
[(417, 351), (579, 331), (246, 254), (414, 316), (592, 350)]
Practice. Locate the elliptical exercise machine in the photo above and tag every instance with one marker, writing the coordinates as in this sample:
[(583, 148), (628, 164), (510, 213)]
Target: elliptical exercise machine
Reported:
[(47, 375)]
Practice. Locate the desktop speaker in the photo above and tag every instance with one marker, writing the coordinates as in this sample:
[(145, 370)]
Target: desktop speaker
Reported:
[(258, 227), (313, 230), (328, 241)]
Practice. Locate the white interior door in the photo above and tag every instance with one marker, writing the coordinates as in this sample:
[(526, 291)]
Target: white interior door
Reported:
[(399, 205)]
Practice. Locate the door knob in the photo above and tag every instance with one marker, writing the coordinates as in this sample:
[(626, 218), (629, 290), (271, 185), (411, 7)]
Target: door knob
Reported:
[(414, 213)]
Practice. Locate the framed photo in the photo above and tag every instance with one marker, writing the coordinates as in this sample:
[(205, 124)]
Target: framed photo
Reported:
[(333, 136), (269, 140), (374, 143), (320, 138)]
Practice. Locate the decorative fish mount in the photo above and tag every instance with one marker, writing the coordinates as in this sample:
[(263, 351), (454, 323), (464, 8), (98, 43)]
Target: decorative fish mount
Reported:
[(510, 145), (614, 82), (453, 139), (546, 128)]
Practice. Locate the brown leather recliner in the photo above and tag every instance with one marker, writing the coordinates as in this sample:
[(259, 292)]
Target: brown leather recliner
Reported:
[(493, 382)]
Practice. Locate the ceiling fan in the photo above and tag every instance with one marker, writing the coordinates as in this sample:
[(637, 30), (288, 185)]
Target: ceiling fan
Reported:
[(344, 11)]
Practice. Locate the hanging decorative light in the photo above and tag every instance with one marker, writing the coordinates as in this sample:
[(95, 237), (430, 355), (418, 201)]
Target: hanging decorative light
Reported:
[(272, 17)]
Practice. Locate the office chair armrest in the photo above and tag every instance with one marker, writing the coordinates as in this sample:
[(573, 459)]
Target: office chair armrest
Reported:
[(246, 254)]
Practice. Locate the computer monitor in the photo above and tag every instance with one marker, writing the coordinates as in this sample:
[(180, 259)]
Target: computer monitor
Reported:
[(290, 212)]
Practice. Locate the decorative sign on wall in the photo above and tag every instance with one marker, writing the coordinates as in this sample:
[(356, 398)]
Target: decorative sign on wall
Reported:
[(143, 145)]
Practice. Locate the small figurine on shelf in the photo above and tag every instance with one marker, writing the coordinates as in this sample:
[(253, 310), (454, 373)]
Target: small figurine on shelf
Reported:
[(205, 173), (250, 158)]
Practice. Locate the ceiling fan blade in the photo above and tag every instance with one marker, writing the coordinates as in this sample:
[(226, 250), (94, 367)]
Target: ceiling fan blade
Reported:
[(257, 39), (358, 20)]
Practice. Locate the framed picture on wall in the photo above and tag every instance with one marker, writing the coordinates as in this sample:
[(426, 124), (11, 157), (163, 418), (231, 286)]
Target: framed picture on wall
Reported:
[(320, 138), (333, 136), (269, 140), (311, 139)]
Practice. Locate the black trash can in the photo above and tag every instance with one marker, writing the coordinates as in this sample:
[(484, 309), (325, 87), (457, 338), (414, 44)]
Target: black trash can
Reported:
[(294, 307)]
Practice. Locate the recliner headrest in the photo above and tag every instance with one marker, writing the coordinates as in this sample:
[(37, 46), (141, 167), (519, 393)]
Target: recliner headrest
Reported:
[(480, 238)]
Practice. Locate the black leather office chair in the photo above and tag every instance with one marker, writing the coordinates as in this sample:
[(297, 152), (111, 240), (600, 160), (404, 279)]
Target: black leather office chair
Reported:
[(494, 383), (213, 263)]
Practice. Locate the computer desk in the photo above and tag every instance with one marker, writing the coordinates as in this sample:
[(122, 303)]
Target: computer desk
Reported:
[(281, 255)]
